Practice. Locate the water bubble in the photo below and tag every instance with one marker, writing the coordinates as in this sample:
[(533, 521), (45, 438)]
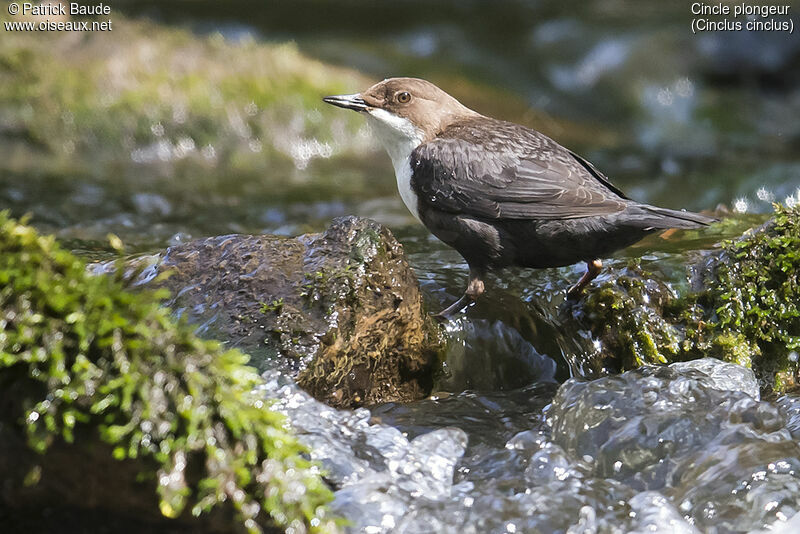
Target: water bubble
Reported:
[(255, 145), (209, 152), (664, 96), (684, 88), (184, 146), (792, 200), (388, 521), (179, 238), (765, 195)]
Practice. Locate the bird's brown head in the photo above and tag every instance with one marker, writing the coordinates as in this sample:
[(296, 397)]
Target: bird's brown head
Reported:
[(405, 108)]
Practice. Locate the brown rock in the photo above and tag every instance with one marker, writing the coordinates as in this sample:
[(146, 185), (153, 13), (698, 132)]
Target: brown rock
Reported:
[(342, 307)]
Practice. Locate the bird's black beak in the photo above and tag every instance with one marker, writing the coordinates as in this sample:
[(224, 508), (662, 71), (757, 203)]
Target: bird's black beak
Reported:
[(354, 102)]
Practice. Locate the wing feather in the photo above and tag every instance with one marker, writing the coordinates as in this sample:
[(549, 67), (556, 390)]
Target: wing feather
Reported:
[(517, 173)]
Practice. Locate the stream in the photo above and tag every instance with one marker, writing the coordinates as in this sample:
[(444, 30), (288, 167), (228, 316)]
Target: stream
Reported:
[(514, 439)]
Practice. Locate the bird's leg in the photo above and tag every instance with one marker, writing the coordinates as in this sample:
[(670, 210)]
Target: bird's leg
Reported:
[(475, 289), (593, 269)]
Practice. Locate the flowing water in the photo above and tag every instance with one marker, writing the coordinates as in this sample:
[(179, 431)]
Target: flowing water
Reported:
[(508, 442), (684, 449)]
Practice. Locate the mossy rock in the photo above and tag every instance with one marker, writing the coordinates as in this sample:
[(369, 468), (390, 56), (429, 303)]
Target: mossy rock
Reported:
[(742, 306), (73, 93), (111, 406), (342, 309), (150, 111)]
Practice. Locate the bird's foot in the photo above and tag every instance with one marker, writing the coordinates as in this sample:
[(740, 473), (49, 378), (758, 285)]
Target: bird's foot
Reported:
[(475, 289), (592, 270)]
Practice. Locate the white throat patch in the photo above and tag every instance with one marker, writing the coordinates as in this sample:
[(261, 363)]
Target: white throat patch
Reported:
[(399, 137)]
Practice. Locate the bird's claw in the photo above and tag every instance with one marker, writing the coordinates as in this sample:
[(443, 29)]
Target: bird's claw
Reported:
[(447, 313), (574, 293)]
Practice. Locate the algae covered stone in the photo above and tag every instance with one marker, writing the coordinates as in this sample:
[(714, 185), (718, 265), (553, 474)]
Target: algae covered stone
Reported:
[(751, 296), (743, 306), (89, 371), (341, 308)]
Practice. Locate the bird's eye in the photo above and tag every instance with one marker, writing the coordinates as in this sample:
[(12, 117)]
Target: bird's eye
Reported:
[(404, 97)]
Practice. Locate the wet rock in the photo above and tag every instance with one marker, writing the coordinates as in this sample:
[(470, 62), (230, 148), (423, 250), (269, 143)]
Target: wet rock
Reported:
[(342, 307), (627, 315), (741, 306), (111, 409), (69, 490)]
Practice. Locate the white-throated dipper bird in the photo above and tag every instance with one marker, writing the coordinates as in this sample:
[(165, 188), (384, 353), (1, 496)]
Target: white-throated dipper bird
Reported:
[(499, 193)]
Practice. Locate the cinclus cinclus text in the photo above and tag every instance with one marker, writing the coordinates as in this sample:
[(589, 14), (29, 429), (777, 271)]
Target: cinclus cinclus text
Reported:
[(499, 193)]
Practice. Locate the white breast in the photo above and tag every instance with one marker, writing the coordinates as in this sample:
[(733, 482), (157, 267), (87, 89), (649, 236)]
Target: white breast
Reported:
[(400, 137), (402, 171)]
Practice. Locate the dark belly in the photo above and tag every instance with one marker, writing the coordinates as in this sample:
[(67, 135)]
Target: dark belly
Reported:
[(532, 243)]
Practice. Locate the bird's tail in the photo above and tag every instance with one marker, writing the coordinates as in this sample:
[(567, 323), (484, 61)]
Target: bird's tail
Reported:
[(662, 218)]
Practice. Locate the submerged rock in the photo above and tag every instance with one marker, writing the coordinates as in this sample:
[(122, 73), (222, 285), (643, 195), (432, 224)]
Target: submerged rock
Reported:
[(110, 408), (343, 307), (743, 306)]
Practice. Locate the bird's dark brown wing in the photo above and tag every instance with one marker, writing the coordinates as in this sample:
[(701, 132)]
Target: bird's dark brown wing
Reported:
[(500, 170)]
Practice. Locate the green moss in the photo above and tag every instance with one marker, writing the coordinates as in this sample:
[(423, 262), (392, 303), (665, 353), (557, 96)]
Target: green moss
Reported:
[(754, 296), (748, 312), (329, 286), (630, 321), (99, 357), (113, 87), (275, 306), (758, 289)]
